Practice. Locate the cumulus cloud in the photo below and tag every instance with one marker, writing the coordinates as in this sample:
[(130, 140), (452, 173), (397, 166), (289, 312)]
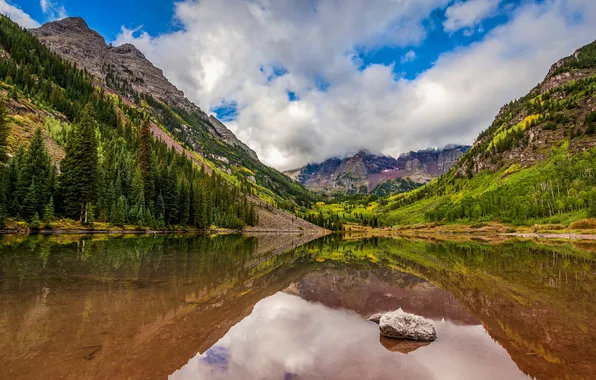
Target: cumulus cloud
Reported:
[(252, 54), (17, 15), (468, 14), (408, 57), (54, 10)]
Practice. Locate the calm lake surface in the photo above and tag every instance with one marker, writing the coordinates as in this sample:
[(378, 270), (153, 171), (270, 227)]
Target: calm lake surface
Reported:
[(289, 307)]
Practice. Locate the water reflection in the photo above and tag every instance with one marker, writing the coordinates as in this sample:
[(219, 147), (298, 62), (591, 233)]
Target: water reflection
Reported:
[(287, 337), (142, 307)]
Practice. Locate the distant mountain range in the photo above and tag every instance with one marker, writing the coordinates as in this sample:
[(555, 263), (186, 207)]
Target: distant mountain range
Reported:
[(366, 172)]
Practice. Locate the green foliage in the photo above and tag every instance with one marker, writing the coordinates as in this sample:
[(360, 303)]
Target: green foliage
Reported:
[(80, 168), (584, 59), (4, 132), (395, 186), (562, 184), (57, 130), (592, 210), (114, 170), (35, 223), (48, 211), (590, 122)]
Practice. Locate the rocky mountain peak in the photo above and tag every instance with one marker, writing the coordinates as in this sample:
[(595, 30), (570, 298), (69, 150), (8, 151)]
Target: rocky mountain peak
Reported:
[(75, 41), (364, 171), (129, 49)]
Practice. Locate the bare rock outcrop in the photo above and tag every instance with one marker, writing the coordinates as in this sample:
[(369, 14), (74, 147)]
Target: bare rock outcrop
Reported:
[(75, 41)]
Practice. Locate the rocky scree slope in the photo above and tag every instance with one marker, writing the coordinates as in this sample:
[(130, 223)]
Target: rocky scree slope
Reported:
[(73, 39)]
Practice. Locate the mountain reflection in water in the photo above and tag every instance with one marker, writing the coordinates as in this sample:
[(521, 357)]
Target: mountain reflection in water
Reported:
[(290, 307), (287, 337)]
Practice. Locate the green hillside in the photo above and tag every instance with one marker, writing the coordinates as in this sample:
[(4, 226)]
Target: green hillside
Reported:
[(71, 150), (536, 163)]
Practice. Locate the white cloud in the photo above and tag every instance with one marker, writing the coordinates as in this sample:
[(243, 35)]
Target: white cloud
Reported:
[(17, 15), (219, 54), (468, 14), (410, 56), (54, 10)]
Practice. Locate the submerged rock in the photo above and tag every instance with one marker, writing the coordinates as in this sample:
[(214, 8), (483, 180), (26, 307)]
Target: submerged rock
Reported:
[(401, 345), (401, 325)]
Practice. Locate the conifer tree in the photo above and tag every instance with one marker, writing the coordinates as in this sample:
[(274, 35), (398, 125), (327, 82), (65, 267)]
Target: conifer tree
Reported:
[(119, 211), (4, 132), (31, 202), (146, 161), (80, 167), (160, 209), (48, 212), (37, 170)]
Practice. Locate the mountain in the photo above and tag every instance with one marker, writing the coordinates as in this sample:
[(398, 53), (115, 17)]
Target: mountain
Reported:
[(123, 68), (534, 164), (364, 172), (96, 133), (125, 71)]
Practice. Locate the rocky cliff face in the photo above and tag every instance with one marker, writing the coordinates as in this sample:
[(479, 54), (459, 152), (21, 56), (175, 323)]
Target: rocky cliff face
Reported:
[(74, 40), (365, 171)]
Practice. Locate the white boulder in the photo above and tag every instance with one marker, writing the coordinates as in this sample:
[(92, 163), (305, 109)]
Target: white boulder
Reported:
[(401, 325)]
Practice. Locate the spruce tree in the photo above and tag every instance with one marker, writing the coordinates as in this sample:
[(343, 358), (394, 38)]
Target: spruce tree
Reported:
[(160, 209), (48, 212), (146, 162), (119, 211), (37, 169), (4, 132), (31, 202), (80, 167)]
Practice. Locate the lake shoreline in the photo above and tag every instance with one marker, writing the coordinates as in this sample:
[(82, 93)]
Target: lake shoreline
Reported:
[(482, 229), (215, 231)]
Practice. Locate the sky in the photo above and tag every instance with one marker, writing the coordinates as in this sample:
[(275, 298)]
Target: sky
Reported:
[(300, 81)]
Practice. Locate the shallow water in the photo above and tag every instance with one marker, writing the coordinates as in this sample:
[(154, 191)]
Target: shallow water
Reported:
[(280, 307)]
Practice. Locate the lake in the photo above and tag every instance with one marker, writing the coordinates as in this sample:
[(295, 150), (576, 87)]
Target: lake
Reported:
[(293, 307)]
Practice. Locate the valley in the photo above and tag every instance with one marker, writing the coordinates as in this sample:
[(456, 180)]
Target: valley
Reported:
[(238, 190), (531, 166)]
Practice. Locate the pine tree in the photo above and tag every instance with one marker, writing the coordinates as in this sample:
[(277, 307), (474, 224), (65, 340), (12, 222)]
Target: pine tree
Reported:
[(4, 132), (118, 214), (48, 212), (146, 161), (80, 167), (35, 223), (138, 188), (31, 202), (37, 169), (160, 209)]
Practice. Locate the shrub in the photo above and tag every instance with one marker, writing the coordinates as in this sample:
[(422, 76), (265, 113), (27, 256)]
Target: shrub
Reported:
[(584, 224)]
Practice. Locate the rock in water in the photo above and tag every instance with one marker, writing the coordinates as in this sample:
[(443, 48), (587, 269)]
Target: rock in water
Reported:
[(375, 318), (401, 325)]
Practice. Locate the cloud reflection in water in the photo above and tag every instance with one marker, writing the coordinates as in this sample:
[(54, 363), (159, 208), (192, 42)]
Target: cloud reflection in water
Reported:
[(288, 338)]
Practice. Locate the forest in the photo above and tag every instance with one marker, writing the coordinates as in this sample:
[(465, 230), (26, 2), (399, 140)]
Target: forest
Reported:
[(113, 169)]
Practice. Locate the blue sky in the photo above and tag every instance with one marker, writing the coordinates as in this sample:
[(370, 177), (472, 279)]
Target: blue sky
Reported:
[(301, 83), (156, 17)]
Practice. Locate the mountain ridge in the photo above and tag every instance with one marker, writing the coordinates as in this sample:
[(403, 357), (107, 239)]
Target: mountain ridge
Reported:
[(73, 39), (365, 171), (124, 71)]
